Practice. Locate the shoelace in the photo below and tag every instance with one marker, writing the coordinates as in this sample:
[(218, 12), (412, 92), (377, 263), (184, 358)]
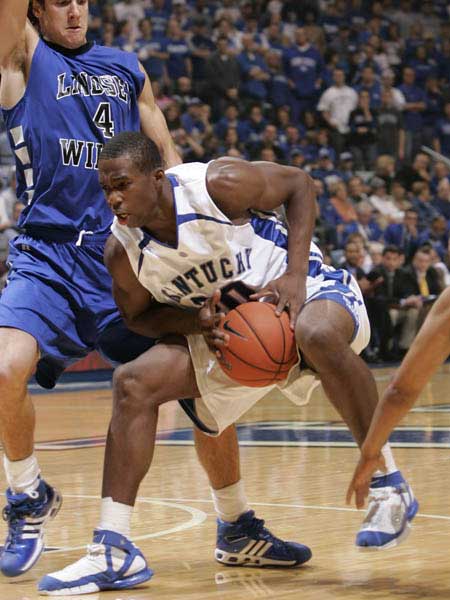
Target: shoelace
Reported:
[(94, 551), (15, 516), (256, 529)]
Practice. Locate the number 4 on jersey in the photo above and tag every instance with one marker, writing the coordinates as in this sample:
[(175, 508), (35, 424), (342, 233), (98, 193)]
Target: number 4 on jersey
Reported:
[(103, 119)]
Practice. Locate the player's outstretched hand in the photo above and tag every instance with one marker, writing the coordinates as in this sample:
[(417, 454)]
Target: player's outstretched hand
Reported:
[(362, 477), (287, 292), (210, 320)]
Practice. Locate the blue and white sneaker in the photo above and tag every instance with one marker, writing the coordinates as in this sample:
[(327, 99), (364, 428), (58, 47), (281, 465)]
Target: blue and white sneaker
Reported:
[(392, 506), (26, 515), (112, 563), (248, 543)]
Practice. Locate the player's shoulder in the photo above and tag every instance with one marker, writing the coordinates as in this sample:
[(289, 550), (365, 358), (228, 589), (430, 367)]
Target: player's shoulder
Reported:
[(187, 173), (114, 252)]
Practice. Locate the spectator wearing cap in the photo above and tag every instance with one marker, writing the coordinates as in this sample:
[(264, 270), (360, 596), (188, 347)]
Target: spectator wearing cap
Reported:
[(336, 104), (365, 224), (441, 141), (325, 169), (390, 128), (222, 77), (254, 70), (346, 166), (303, 67), (404, 235), (151, 51), (297, 158), (179, 62), (415, 105), (159, 17), (363, 133), (383, 203)]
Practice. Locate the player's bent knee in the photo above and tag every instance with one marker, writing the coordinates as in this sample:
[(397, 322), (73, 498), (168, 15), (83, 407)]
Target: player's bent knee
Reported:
[(132, 392), (13, 379)]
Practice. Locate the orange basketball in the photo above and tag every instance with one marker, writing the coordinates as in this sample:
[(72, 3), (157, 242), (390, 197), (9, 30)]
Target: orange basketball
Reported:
[(262, 348)]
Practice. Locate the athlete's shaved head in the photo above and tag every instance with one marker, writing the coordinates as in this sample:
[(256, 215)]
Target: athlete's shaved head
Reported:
[(141, 150)]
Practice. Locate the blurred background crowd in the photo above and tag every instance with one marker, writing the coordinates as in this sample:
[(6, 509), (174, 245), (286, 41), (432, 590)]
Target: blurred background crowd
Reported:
[(357, 93)]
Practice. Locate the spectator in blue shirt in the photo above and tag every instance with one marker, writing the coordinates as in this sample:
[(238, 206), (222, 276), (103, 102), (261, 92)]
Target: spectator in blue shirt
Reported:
[(422, 204), (279, 91), (413, 112), (179, 63), (151, 51), (423, 66), (230, 119), (159, 17), (303, 66), (365, 224), (254, 71), (370, 84), (404, 235)]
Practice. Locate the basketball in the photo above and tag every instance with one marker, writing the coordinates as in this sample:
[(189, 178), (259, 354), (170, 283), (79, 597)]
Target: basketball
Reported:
[(261, 349)]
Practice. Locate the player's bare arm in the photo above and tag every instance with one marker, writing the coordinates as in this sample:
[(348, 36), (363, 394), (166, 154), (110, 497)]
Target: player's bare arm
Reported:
[(13, 17), (139, 310), (154, 125), (18, 41), (237, 186), (428, 351)]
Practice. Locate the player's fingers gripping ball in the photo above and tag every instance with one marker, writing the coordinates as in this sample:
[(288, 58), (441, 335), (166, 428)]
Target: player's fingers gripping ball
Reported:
[(261, 348)]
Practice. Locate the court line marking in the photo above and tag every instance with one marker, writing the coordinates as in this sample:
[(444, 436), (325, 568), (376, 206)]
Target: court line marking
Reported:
[(197, 518), (306, 506)]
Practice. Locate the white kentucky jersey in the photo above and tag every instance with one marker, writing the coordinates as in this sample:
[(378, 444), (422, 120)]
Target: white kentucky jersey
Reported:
[(211, 251)]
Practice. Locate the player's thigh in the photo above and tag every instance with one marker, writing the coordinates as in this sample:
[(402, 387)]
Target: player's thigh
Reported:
[(18, 357), (163, 373)]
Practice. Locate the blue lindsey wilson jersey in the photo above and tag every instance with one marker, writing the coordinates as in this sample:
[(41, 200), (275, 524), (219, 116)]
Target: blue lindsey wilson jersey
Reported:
[(74, 102), (212, 252)]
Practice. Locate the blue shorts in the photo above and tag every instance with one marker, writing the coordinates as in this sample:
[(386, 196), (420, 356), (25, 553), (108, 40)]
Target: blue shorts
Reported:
[(60, 293)]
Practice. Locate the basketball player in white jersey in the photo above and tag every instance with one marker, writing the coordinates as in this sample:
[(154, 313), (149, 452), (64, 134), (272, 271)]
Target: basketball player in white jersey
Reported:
[(184, 241)]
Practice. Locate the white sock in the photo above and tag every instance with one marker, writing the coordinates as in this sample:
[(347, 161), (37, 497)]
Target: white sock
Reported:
[(230, 502), (115, 516), (22, 475), (391, 467)]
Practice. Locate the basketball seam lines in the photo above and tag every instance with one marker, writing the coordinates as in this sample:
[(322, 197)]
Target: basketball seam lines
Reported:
[(276, 362)]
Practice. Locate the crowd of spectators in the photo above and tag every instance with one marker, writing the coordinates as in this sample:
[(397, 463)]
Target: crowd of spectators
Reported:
[(350, 91)]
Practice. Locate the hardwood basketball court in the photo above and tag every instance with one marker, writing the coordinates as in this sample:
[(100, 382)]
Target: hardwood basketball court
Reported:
[(296, 463)]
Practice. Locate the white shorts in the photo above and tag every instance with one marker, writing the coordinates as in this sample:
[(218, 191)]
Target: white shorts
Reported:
[(224, 401)]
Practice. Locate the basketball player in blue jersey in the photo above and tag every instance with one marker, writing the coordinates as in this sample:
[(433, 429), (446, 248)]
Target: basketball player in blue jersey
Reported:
[(184, 242), (62, 99)]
